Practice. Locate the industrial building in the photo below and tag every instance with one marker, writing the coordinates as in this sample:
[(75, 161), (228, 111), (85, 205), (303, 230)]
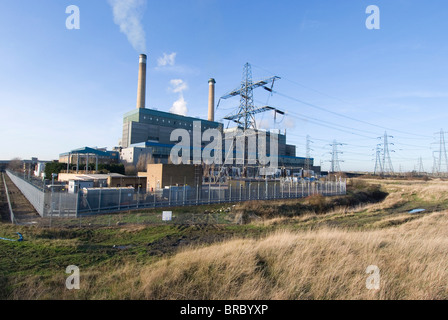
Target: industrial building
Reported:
[(148, 131)]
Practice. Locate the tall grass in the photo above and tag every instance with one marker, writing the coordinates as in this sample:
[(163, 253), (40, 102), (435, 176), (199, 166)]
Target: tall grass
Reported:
[(325, 264)]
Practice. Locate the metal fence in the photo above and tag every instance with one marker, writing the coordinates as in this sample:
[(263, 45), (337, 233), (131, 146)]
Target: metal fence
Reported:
[(34, 194), (98, 200), (52, 202)]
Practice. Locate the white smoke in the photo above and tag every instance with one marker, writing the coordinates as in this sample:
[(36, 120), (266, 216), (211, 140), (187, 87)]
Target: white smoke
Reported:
[(128, 15), (167, 60), (180, 105)]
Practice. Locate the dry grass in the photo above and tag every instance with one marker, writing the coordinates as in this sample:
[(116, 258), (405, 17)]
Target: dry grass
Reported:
[(325, 263)]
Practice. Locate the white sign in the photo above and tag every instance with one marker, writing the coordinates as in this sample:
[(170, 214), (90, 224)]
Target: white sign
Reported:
[(167, 215)]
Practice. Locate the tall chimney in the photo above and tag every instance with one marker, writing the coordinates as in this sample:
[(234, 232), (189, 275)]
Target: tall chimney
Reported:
[(211, 99), (141, 90)]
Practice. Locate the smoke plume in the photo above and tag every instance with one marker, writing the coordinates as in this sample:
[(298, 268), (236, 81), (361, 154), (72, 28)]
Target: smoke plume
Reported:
[(180, 105), (128, 16)]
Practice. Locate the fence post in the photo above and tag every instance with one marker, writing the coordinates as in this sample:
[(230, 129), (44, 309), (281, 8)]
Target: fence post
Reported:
[(99, 200), (77, 203), (230, 192), (119, 198), (197, 193), (169, 193), (138, 194), (185, 189), (209, 190)]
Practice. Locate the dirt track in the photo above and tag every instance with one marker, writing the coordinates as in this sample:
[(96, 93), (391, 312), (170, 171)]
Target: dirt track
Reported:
[(23, 210)]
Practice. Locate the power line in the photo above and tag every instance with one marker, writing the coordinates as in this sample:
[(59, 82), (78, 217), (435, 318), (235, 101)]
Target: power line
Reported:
[(332, 112)]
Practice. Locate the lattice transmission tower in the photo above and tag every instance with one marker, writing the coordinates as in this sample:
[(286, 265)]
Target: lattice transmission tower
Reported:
[(387, 167), (335, 166), (442, 153)]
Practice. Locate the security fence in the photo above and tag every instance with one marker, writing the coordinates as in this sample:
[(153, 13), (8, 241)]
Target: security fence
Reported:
[(55, 201)]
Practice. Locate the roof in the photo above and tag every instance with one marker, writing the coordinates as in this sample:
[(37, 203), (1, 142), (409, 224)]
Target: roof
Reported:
[(174, 116), (98, 152)]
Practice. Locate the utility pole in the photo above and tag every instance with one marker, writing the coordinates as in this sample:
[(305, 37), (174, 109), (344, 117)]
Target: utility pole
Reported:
[(435, 166), (378, 162), (308, 153), (386, 161), (442, 152), (421, 170), (335, 167), (245, 116)]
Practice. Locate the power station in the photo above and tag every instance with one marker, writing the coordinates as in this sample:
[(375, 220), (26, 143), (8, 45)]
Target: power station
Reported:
[(84, 185), (148, 131)]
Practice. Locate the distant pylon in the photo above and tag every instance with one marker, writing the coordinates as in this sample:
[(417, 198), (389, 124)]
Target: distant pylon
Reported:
[(435, 166), (335, 167), (308, 153), (378, 162), (421, 170), (442, 152), (387, 162)]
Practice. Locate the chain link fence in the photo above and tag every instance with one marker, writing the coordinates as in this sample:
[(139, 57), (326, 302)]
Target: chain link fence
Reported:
[(93, 206)]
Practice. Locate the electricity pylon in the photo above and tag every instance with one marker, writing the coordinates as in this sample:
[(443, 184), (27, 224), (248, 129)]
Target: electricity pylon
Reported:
[(335, 167), (442, 152), (308, 153), (387, 167), (378, 162)]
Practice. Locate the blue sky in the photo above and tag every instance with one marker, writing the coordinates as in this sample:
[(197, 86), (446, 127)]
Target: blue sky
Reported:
[(62, 89)]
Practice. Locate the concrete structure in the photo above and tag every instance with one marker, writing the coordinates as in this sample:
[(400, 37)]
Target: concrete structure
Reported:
[(141, 89), (160, 176), (133, 154), (211, 100)]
